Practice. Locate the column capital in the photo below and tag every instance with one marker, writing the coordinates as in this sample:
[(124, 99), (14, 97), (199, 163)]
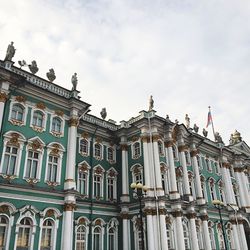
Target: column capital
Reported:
[(177, 213), (191, 215), (182, 148), (168, 143), (238, 170), (225, 165), (69, 207), (145, 138), (3, 97), (125, 216), (124, 147), (204, 217), (73, 122), (148, 211), (193, 152), (156, 137)]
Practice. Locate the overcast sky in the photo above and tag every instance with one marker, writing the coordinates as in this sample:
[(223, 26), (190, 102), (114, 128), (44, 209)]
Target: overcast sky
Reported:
[(188, 54)]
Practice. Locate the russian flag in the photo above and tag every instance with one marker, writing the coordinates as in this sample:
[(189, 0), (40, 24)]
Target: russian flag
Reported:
[(209, 118)]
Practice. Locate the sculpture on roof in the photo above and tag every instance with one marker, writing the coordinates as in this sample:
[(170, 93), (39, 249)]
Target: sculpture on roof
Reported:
[(235, 137), (33, 67), (196, 128), (204, 132), (217, 137), (51, 75), (103, 113), (10, 52), (22, 63), (74, 81), (187, 120), (151, 103)]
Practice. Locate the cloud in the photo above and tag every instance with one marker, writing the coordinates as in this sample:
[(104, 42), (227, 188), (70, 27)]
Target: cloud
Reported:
[(188, 54)]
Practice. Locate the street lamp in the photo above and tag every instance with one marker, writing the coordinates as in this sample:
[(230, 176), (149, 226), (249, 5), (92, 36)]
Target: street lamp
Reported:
[(140, 192), (219, 204)]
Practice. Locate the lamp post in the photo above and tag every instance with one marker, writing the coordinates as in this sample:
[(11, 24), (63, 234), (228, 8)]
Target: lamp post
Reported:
[(140, 192), (219, 204)]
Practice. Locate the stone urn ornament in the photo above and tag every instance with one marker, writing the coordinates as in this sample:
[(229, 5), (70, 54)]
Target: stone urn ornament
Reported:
[(51, 75)]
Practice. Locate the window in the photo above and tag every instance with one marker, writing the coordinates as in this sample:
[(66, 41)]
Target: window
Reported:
[(98, 182), (47, 235), (137, 173), (3, 231), (32, 164), (56, 125), (187, 157), (212, 189), (186, 236), (221, 191), (38, 118), (208, 165), (98, 151), (112, 234), (10, 160), (191, 183), (54, 163), (24, 235), (220, 237), (165, 178), (230, 241), (203, 187), (211, 235), (137, 233), (81, 238), (170, 236), (84, 147), (97, 238), (160, 148), (111, 184), (111, 239), (236, 194), (136, 150), (17, 112), (199, 237), (82, 182), (52, 168), (217, 169), (199, 162), (111, 155), (175, 153)]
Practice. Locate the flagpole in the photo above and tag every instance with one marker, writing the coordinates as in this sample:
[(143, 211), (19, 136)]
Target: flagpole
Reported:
[(209, 108)]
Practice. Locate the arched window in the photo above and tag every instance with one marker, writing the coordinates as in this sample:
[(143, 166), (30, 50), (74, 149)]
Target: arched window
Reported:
[(111, 239), (199, 237), (17, 112), (38, 119), (199, 161), (175, 152), (97, 238), (56, 125), (136, 150), (212, 189), (47, 235), (112, 234), (98, 182), (111, 184), (186, 236), (32, 164), (191, 183), (10, 160), (110, 154), (160, 148), (3, 231), (208, 165), (137, 173), (24, 234), (203, 187), (221, 191), (98, 151), (211, 235), (84, 147), (81, 238), (220, 237), (230, 241), (165, 178), (53, 165), (82, 182), (187, 157)]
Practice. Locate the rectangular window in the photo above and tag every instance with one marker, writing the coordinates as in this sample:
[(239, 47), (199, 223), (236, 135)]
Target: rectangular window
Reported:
[(97, 185), (32, 165), (111, 189), (46, 243), (10, 160), (82, 183), (52, 168)]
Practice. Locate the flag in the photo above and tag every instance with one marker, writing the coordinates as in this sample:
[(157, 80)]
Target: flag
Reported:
[(209, 118)]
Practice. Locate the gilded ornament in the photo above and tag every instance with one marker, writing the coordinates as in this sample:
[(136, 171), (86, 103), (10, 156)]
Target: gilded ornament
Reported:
[(191, 215), (124, 216), (177, 213), (85, 135), (4, 209), (168, 143), (135, 138), (98, 140), (20, 98), (84, 168), (69, 206), (204, 217), (82, 221), (181, 148), (3, 97), (59, 112), (98, 170), (74, 122), (98, 222), (124, 147), (193, 153), (40, 105), (14, 139), (35, 145), (50, 213)]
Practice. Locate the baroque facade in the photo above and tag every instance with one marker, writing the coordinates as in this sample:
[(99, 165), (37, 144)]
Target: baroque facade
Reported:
[(65, 175)]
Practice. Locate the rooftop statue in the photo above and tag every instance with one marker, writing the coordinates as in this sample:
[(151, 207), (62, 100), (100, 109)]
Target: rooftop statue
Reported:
[(217, 137), (33, 67), (151, 103), (10, 52), (51, 75), (22, 63), (196, 128), (187, 119), (103, 113), (74, 81), (204, 132)]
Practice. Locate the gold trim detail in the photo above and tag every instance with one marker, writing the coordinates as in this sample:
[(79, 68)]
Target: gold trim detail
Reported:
[(3, 97), (194, 152), (41, 105), (20, 98), (73, 122), (168, 144), (177, 213), (69, 207), (191, 215), (124, 147), (204, 217), (59, 112)]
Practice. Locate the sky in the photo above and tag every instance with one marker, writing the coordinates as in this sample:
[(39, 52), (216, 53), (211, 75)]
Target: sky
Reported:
[(188, 54)]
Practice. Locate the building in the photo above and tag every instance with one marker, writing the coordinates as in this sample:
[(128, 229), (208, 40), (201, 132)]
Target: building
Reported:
[(65, 175)]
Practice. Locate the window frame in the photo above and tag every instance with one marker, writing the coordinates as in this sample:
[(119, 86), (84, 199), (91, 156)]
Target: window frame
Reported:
[(53, 132), (136, 151), (44, 120), (111, 175), (16, 121), (98, 171), (86, 153)]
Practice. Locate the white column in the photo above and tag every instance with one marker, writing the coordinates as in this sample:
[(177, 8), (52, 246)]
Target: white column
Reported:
[(173, 185), (125, 171), (230, 198), (186, 190), (237, 174), (71, 155), (199, 194), (245, 188), (3, 98), (164, 245), (194, 239), (67, 233), (180, 245), (207, 240), (146, 162), (235, 236), (157, 236), (126, 239), (242, 236), (150, 232)]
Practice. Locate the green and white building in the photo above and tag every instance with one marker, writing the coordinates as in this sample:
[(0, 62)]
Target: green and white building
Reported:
[(65, 176)]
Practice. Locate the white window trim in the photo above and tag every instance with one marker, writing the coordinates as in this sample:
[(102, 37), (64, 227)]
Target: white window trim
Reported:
[(60, 157), (187, 157), (133, 150), (8, 231), (85, 224), (99, 158), (212, 186), (79, 146), (16, 122), (113, 223), (102, 232), (21, 140), (80, 165), (114, 184), (63, 125), (114, 155), (102, 180), (38, 129), (176, 155), (140, 167), (40, 158), (163, 148)]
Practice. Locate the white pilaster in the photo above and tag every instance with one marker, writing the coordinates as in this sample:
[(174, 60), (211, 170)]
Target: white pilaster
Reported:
[(179, 230), (242, 237), (207, 241), (67, 230), (146, 162), (150, 232), (126, 235), (235, 237), (194, 239), (237, 174), (4, 90), (164, 245), (125, 171)]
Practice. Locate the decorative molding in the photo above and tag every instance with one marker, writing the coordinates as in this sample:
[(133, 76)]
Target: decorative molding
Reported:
[(177, 213), (125, 216), (124, 147), (4, 209), (69, 207), (59, 112), (182, 148), (73, 122), (41, 105), (169, 143), (191, 215), (204, 217), (238, 170), (3, 97), (194, 152), (85, 135), (226, 165), (20, 98)]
